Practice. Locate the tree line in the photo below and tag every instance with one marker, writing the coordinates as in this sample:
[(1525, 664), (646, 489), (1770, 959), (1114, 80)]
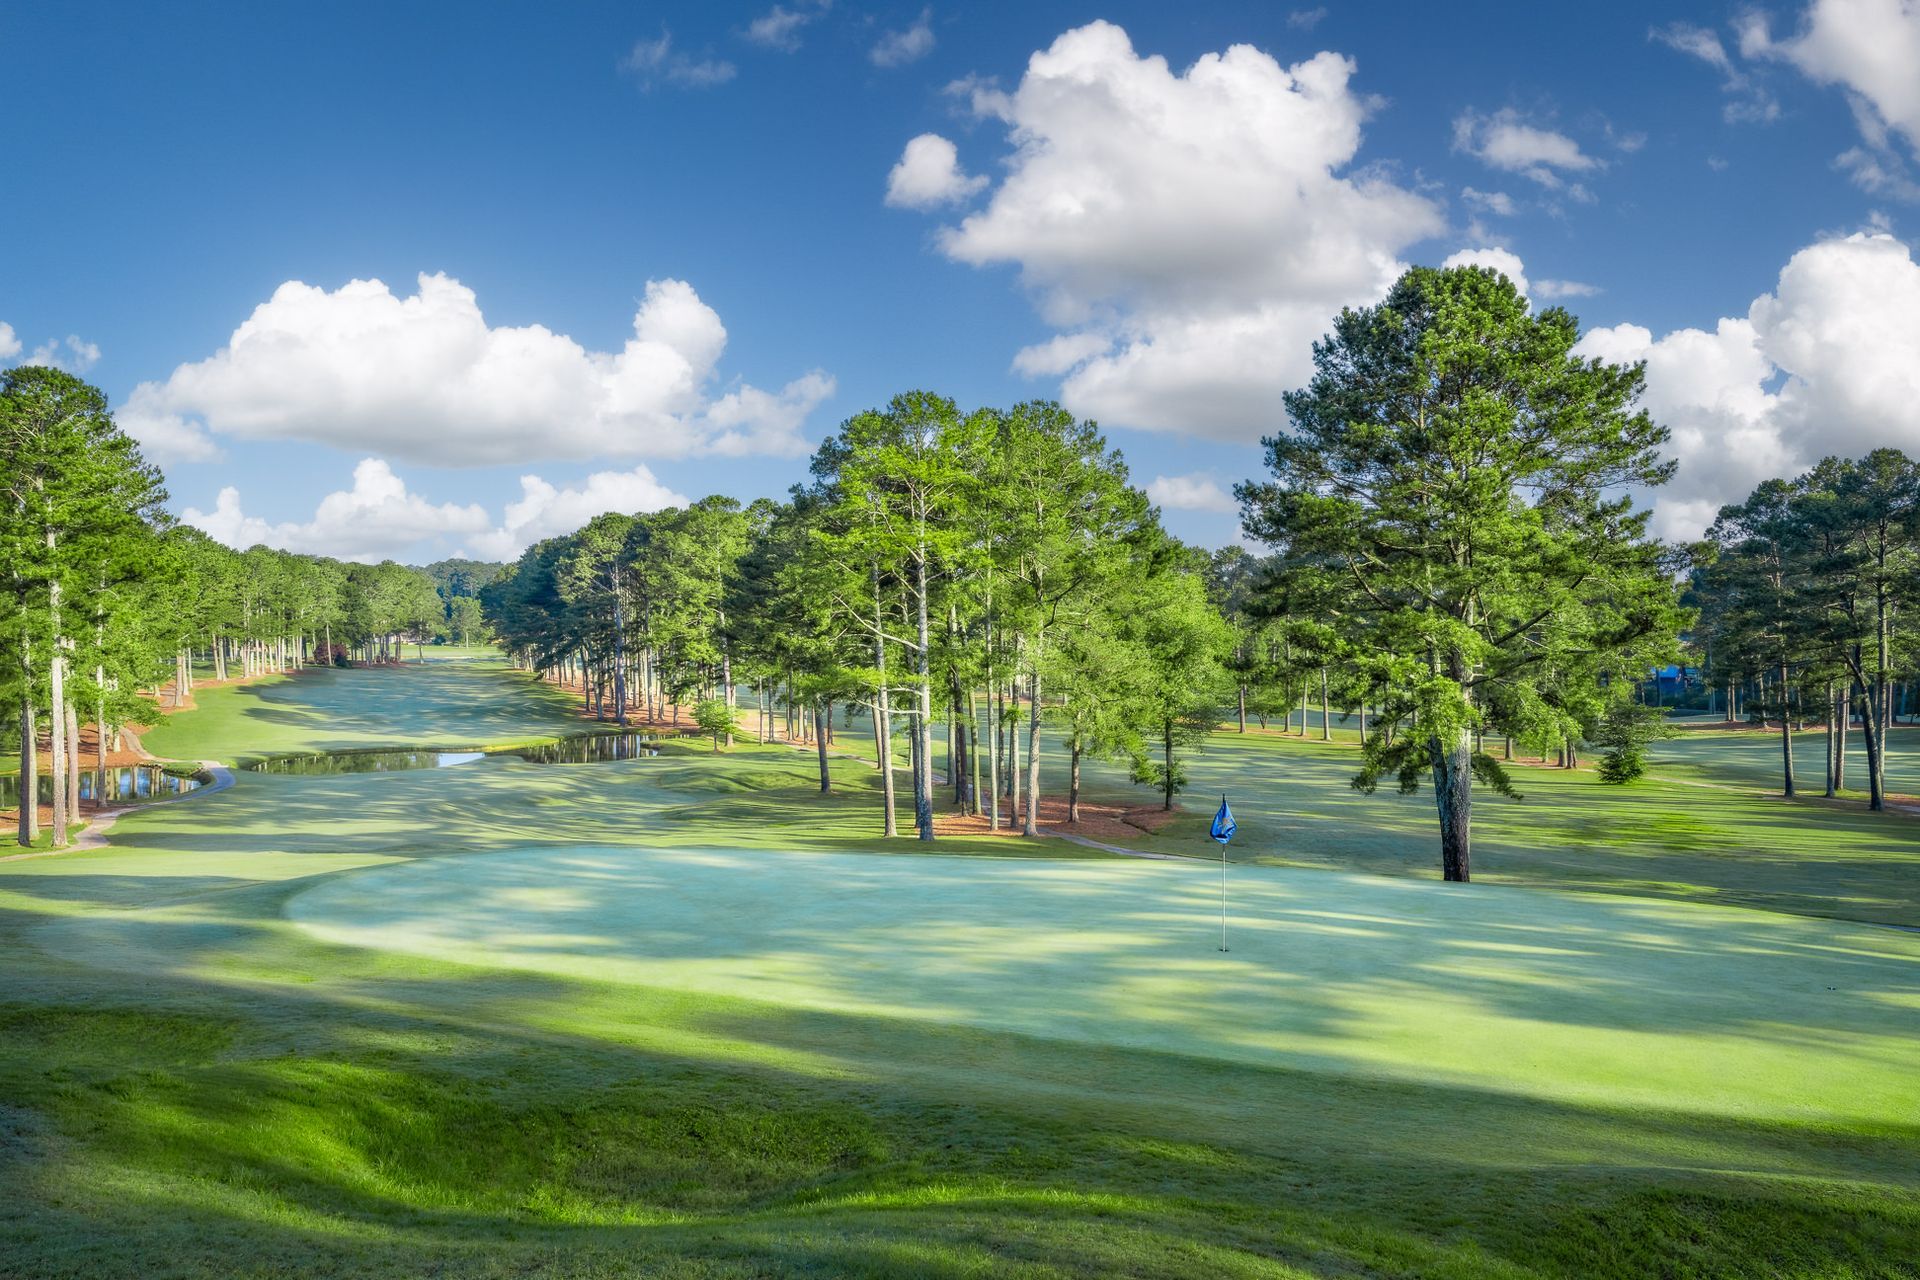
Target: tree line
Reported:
[(1453, 553), (990, 569), (1805, 592), (113, 610)]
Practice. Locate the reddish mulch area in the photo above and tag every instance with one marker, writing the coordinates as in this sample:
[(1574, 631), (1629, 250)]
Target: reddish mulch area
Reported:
[(1097, 821), (128, 754)]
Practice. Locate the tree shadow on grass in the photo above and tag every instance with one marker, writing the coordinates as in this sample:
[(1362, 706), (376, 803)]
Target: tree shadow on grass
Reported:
[(458, 1122)]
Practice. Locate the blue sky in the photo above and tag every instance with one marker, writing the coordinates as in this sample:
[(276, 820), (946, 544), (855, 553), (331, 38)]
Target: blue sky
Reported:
[(1722, 191)]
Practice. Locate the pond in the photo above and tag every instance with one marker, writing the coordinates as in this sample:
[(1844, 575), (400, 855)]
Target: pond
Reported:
[(589, 748), (127, 785)]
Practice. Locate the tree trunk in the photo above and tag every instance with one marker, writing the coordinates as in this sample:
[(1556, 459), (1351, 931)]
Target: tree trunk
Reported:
[(73, 760), (973, 756), (993, 751), (56, 714), (923, 699), (28, 827), (1453, 796), (1032, 825), (1844, 727), (620, 662), (1243, 708), (1326, 720), (1166, 754), (726, 682), (1786, 737), (820, 744), (883, 714), (1013, 755), (1073, 785), (1875, 743), (1833, 740)]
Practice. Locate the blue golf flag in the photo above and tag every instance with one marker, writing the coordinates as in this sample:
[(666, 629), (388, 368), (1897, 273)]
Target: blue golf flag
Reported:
[(1223, 824)]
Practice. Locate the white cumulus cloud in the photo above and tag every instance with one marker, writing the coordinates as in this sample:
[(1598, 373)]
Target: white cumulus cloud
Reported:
[(425, 378), (779, 27), (544, 511), (1870, 49), (9, 342), (1190, 233), (898, 48), (1822, 365), (378, 517), (381, 518), (929, 174), (1506, 141), (1196, 492)]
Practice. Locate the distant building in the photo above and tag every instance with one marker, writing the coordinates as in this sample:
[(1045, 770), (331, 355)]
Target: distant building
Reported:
[(1669, 683)]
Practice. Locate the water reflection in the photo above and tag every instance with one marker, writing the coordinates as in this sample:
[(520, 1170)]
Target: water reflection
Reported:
[(126, 785), (590, 749), (583, 749), (367, 761)]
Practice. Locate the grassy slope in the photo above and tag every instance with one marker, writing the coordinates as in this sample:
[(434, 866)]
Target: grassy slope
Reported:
[(195, 1086)]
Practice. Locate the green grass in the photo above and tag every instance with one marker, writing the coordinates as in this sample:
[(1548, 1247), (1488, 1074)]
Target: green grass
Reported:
[(455, 698), (675, 1017)]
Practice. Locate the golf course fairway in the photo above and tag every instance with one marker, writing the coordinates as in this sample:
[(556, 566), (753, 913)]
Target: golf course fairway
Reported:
[(687, 1016), (1577, 998)]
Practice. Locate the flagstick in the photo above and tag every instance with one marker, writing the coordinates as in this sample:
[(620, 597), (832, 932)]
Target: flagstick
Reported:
[(1223, 895), (1222, 830)]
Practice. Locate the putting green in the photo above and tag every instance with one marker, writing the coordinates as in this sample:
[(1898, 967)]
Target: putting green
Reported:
[(1581, 998)]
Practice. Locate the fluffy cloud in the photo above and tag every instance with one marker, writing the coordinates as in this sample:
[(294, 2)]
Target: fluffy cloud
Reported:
[(653, 62), (898, 48), (377, 517), (1506, 262), (779, 27), (73, 353), (543, 511), (929, 175), (1196, 492), (1306, 19), (1870, 48), (1189, 233), (1505, 141), (426, 379), (1748, 100), (1822, 365), (380, 518), (1489, 201)]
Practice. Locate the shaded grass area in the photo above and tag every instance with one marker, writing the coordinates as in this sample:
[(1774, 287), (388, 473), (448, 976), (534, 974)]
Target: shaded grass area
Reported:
[(191, 1085), (459, 1122), (1752, 758)]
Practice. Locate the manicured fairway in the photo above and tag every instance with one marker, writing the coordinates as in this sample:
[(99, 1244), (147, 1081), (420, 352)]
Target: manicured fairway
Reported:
[(1574, 998), (684, 1016), (448, 698)]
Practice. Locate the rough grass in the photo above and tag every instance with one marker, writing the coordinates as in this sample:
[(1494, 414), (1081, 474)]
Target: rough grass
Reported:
[(195, 1085)]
